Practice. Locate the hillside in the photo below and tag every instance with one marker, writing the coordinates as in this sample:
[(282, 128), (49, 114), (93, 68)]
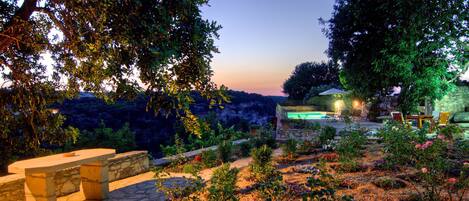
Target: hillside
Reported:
[(86, 113)]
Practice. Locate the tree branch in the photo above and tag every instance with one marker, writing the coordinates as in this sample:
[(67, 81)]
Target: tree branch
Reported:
[(12, 28), (54, 19)]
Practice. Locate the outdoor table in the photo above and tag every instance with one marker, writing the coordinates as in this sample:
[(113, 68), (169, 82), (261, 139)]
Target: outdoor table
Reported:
[(40, 172), (420, 119)]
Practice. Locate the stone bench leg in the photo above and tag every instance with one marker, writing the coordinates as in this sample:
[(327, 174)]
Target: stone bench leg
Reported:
[(94, 180), (40, 187)]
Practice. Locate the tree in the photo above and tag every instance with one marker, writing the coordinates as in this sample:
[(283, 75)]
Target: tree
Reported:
[(307, 75), (115, 49), (419, 46)]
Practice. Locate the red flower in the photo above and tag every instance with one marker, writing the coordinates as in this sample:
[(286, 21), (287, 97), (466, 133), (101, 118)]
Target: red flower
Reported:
[(452, 180), (198, 158)]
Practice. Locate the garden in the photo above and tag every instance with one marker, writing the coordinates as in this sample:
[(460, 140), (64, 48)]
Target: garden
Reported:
[(399, 163)]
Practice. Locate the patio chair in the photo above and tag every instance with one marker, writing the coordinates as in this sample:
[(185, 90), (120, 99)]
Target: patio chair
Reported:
[(443, 119), (397, 116)]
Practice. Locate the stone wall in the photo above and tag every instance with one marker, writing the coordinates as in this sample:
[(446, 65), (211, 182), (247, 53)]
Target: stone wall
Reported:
[(296, 134), (454, 101), (68, 180), (12, 187)]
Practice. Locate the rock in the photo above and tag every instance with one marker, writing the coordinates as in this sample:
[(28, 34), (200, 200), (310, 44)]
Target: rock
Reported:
[(306, 169), (389, 183)]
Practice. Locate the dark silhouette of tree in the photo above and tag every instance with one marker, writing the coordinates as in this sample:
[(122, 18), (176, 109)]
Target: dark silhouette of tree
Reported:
[(307, 75), (419, 46)]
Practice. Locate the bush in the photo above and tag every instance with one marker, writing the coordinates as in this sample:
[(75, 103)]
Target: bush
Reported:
[(177, 188), (224, 151), (350, 146), (261, 164), (452, 132), (397, 140), (223, 184), (264, 136), (327, 134), (191, 168), (322, 186), (289, 148), (245, 148), (103, 137), (177, 148), (209, 158)]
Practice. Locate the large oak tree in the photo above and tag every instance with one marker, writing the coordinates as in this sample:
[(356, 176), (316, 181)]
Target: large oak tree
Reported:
[(113, 48), (420, 46)]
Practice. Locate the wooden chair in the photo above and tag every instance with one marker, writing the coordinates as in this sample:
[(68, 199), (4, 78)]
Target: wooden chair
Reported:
[(397, 116), (443, 119)]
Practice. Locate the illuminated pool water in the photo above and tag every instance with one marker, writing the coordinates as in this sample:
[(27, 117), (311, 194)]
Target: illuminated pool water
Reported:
[(307, 115)]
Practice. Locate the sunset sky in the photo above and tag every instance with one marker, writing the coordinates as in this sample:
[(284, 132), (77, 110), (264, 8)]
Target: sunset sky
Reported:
[(262, 41)]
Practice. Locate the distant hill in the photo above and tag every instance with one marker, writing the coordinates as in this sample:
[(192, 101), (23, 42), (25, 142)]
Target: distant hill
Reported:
[(86, 112)]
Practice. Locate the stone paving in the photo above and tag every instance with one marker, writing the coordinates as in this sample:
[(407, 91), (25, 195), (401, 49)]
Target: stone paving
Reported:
[(142, 187)]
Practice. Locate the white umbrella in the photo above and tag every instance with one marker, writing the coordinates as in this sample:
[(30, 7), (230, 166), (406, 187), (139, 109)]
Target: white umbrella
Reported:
[(333, 91)]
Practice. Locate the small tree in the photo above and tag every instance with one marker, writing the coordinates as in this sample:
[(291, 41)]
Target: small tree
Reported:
[(307, 75), (223, 184)]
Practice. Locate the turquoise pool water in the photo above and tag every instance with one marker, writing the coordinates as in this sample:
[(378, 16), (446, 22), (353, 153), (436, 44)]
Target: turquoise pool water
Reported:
[(307, 115)]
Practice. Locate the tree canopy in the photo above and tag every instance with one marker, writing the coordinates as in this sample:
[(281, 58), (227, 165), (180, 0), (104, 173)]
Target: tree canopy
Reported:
[(419, 46), (112, 48), (307, 75)]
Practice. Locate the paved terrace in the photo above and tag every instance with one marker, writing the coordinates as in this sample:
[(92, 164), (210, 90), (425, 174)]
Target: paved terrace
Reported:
[(142, 187)]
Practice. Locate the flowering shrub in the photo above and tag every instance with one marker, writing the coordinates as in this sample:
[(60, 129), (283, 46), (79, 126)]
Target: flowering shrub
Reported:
[(397, 140)]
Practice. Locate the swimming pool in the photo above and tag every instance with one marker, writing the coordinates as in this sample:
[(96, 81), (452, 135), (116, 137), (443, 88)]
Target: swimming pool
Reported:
[(307, 115)]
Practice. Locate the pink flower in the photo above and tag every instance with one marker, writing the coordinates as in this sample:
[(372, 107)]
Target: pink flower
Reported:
[(427, 144), (466, 164), (418, 146), (441, 137), (424, 170), (316, 177), (452, 180)]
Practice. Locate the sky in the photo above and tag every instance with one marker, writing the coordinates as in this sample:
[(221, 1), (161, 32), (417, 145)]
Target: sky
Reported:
[(262, 41)]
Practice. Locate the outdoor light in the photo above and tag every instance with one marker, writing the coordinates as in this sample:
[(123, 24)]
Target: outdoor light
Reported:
[(339, 104), (54, 110), (356, 104)]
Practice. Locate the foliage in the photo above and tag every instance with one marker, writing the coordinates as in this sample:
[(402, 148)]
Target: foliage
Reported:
[(306, 146), (289, 148), (322, 186), (268, 178), (225, 151), (176, 148), (327, 134), (308, 75), (396, 139), (350, 145), (191, 168), (273, 188), (316, 90), (245, 148), (102, 137), (264, 136), (223, 184), (385, 44), (109, 48), (452, 132), (179, 188), (261, 164), (209, 158)]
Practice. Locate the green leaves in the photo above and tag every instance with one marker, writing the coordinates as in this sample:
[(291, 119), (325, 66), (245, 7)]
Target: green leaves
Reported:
[(386, 44)]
